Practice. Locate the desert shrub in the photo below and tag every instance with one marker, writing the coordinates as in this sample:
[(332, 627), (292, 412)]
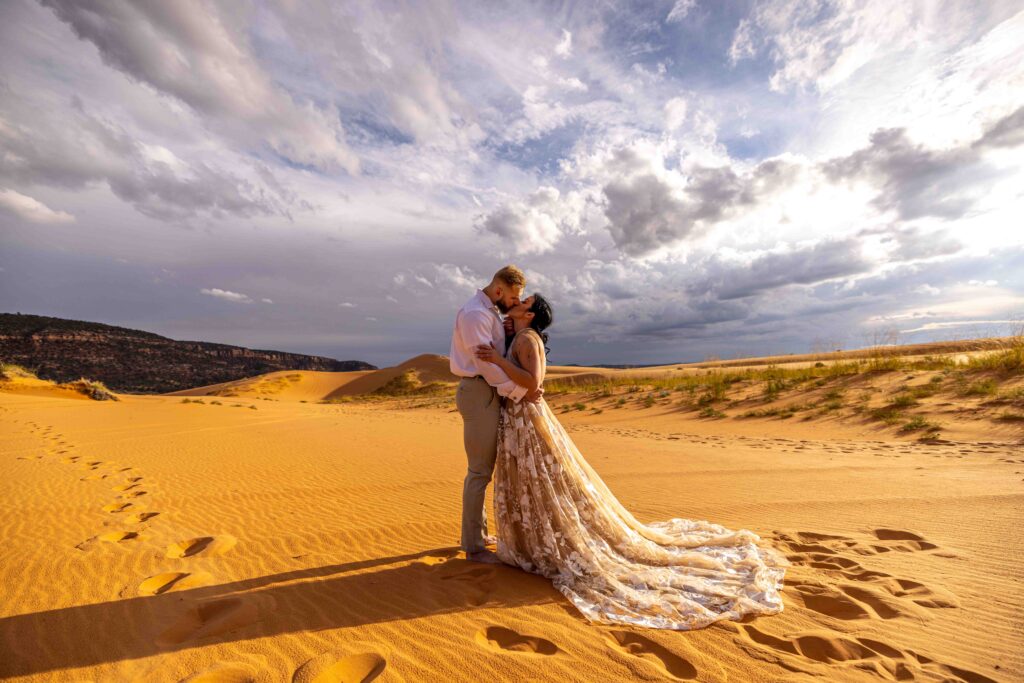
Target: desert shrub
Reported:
[(902, 400), (1009, 359), (408, 384), (887, 414), (923, 390), (985, 387), (717, 384), (580, 406), (933, 363), (708, 411), (648, 401), (10, 371), (774, 382), (97, 391), (884, 363), (918, 423), (1014, 395), (843, 369)]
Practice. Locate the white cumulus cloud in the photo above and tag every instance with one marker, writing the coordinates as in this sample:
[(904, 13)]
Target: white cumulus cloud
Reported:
[(227, 295), (30, 209)]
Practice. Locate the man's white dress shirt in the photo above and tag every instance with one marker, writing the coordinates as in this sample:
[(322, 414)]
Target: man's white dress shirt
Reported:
[(479, 322)]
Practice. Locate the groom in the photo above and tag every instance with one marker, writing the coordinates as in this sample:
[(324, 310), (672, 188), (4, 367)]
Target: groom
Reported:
[(477, 398)]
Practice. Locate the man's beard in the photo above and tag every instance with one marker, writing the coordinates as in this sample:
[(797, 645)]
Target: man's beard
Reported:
[(502, 307)]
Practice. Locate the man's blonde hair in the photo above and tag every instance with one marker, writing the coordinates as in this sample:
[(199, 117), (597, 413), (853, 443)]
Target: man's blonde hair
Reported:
[(511, 276)]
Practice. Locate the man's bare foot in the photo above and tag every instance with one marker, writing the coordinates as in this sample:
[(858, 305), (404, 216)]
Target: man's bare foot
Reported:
[(490, 540), (483, 556)]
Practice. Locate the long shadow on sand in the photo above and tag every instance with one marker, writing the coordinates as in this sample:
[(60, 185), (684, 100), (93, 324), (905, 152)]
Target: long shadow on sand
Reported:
[(330, 597)]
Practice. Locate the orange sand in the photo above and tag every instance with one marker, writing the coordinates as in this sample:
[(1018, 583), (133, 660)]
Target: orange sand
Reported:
[(154, 540)]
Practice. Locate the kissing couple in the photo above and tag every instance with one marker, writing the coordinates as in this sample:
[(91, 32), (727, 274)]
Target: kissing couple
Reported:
[(555, 516)]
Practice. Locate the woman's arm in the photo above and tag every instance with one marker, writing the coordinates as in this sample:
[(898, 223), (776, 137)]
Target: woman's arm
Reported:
[(524, 378)]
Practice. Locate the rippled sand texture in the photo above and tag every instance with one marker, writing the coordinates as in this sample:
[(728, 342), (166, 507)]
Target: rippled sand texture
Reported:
[(260, 540)]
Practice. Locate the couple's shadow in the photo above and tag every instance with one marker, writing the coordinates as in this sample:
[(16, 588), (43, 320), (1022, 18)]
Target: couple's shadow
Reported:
[(336, 596)]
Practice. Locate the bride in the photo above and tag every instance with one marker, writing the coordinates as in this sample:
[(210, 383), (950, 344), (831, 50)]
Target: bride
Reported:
[(557, 518)]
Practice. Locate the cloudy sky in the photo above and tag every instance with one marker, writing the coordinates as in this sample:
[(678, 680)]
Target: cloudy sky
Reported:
[(681, 178)]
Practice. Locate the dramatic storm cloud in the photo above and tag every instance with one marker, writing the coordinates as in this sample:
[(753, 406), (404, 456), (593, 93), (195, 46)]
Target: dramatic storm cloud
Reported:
[(679, 178)]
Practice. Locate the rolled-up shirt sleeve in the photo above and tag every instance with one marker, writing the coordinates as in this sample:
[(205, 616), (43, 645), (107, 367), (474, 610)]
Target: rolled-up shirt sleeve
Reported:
[(474, 330)]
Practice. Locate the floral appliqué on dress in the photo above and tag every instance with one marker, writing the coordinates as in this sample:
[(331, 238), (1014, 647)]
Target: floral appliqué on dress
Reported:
[(557, 518)]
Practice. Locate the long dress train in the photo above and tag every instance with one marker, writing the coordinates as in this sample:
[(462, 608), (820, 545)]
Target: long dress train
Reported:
[(557, 518)]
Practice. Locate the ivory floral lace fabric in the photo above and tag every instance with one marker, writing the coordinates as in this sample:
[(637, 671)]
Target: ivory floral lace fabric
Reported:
[(557, 518)]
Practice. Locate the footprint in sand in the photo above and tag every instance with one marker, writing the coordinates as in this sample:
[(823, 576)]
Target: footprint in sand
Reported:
[(132, 494), (911, 540), (116, 507), (847, 602), (867, 654), (205, 545), (635, 645), (213, 618), (875, 590), (329, 668), (477, 582), (829, 601), (174, 581), (112, 537), (506, 640), (128, 486), (893, 539), (438, 557), (140, 517), (224, 673)]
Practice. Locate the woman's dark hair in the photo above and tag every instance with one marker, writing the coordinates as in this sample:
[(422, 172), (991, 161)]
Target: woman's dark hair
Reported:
[(542, 318)]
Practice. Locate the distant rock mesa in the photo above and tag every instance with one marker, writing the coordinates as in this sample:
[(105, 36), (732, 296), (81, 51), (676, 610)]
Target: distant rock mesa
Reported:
[(136, 361)]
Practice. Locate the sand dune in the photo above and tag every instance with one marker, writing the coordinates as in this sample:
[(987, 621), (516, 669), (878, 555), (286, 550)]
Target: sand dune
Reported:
[(306, 385), (14, 380), (251, 540), (285, 385)]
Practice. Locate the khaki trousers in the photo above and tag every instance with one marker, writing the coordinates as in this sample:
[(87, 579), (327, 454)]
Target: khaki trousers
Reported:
[(480, 406)]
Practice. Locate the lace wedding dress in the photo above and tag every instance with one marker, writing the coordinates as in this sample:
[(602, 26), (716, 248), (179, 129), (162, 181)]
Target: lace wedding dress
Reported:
[(557, 518)]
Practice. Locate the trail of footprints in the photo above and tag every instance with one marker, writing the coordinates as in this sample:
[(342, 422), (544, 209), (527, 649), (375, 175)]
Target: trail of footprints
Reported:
[(200, 619), (203, 618), (836, 586), (853, 592), (476, 584)]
